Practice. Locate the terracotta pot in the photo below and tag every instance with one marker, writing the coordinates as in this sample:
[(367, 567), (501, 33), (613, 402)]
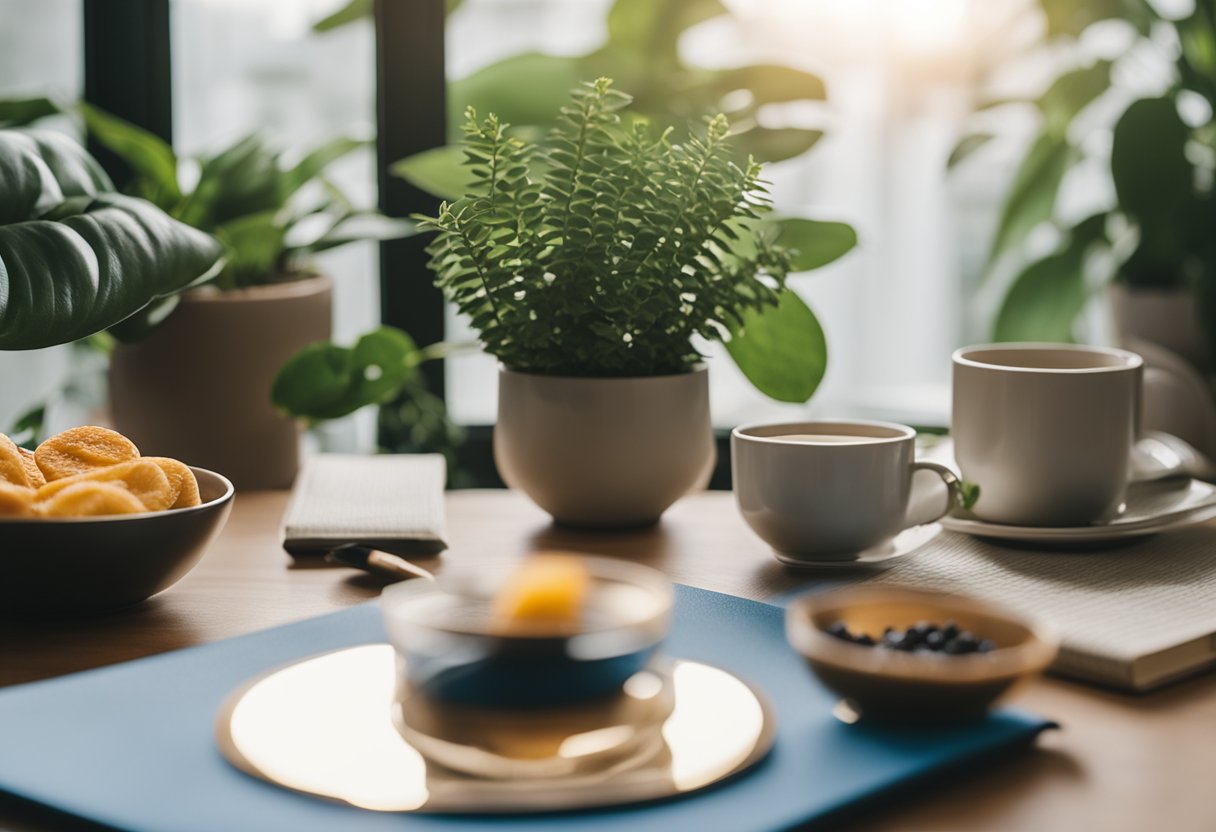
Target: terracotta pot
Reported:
[(604, 452), (198, 388)]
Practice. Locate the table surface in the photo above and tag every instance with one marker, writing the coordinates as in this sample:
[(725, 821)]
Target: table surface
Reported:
[(1120, 762)]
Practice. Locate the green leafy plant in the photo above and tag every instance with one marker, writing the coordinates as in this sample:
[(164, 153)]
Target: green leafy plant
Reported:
[(607, 252), (641, 51), (270, 215), (76, 257), (1158, 232)]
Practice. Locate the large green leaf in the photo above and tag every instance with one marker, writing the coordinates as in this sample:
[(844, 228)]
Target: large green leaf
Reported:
[(1032, 199), (148, 155), (651, 28), (241, 180), (1044, 301), (782, 349), (71, 269), (1072, 17), (439, 171), (17, 112), (1154, 181), (815, 243), (325, 381), (317, 160), (966, 146), (522, 89), (773, 144), (1072, 92)]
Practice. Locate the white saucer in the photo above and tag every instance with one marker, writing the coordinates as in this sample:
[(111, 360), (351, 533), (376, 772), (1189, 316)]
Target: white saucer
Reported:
[(1151, 508), (875, 558)]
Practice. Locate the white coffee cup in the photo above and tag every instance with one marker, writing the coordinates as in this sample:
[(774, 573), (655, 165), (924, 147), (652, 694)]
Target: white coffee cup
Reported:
[(1046, 430), (827, 490)]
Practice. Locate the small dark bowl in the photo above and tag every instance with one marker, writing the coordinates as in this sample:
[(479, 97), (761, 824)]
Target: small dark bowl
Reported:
[(69, 566), (893, 686)]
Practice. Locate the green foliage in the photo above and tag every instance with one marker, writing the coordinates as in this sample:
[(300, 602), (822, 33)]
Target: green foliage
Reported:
[(270, 215), (624, 249), (325, 381), (75, 257), (782, 351), (642, 53), (1161, 168)]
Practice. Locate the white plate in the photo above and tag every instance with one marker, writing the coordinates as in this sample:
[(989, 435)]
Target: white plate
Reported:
[(1151, 508), (874, 558)]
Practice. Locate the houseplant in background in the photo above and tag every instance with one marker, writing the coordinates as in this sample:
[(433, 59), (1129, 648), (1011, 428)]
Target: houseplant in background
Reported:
[(190, 377), (1160, 253), (589, 268), (76, 257)]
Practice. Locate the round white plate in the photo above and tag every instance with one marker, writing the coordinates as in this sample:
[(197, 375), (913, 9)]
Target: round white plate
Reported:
[(1151, 508), (877, 557)]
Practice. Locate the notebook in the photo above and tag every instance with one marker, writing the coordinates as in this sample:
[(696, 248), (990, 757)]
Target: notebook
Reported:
[(131, 745), (1130, 615), (392, 502)]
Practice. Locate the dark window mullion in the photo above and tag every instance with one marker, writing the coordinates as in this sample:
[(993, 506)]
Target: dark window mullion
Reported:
[(411, 100), (127, 69)]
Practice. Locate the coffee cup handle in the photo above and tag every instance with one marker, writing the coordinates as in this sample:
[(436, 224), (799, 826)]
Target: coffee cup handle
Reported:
[(954, 487)]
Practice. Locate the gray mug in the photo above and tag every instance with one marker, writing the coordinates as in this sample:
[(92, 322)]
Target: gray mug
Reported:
[(827, 490), (1046, 430)]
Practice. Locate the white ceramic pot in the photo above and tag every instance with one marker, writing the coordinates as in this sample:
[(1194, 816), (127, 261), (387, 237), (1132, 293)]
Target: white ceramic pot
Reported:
[(604, 452), (1167, 317)]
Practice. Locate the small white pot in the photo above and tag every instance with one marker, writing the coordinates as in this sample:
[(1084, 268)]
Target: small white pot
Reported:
[(604, 452)]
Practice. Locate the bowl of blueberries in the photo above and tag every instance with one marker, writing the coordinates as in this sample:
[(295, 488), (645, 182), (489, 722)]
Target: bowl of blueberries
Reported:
[(900, 655)]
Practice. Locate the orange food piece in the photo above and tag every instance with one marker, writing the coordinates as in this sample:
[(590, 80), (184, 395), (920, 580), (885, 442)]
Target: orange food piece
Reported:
[(36, 478), (12, 464), (545, 589), (16, 500), (92, 499), (142, 478), (181, 480), (82, 449)]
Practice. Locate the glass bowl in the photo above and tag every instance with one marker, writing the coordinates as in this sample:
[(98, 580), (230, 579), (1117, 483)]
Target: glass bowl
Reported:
[(451, 651)]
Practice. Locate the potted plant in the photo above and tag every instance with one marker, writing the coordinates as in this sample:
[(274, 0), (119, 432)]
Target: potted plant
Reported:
[(590, 268), (190, 377), (76, 257), (1160, 265)]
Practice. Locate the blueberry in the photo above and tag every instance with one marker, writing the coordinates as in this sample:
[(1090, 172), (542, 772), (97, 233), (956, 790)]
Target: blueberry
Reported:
[(840, 630), (950, 630), (935, 640), (956, 647), (865, 640), (985, 646)]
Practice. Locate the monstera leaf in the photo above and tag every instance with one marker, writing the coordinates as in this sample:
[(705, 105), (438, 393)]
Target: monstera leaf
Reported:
[(76, 258)]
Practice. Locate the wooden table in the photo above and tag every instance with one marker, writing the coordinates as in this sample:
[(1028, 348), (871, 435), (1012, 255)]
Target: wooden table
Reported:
[(1119, 763)]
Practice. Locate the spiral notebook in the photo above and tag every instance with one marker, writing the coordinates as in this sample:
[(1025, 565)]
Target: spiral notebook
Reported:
[(131, 746)]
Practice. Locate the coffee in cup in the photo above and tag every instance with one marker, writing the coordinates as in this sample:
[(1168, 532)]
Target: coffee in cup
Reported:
[(1046, 430), (827, 490)]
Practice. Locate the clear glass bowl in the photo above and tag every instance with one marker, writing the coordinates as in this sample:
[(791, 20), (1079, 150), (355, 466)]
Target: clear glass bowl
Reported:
[(451, 653)]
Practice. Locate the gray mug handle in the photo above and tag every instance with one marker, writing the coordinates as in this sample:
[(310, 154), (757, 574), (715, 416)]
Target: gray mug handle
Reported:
[(954, 487)]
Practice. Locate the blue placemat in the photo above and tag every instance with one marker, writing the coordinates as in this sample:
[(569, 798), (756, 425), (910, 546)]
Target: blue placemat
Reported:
[(131, 745)]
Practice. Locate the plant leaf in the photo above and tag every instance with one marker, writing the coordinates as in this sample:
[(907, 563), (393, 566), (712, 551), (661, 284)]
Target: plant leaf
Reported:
[(522, 89), (1044, 300), (326, 381), (321, 157), (1033, 196), (360, 226), (347, 13), (782, 349), (148, 155), (439, 171), (17, 112), (815, 243), (1153, 178), (774, 144), (1071, 92), (966, 146)]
